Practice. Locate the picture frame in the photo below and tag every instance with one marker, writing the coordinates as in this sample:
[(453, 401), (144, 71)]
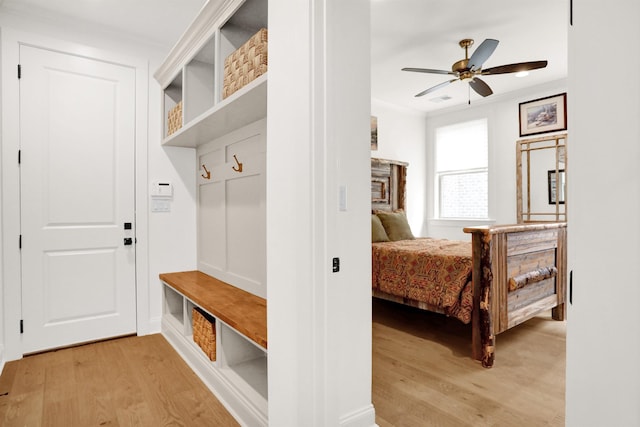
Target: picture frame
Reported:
[(556, 190), (374, 133), (543, 115)]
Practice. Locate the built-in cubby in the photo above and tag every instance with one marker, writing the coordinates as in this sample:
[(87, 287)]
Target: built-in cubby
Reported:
[(199, 88), (239, 372), (228, 131), (172, 97), (173, 306), (250, 17), (197, 67)]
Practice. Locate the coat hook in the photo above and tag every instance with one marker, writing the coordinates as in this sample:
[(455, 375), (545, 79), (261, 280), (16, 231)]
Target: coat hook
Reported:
[(239, 168), (208, 175)]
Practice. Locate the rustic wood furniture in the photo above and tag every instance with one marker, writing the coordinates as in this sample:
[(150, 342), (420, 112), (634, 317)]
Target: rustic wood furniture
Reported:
[(537, 160), (388, 183), (518, 272)]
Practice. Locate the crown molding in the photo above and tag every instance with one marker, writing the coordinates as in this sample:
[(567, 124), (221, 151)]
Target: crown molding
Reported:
[(212, 15)]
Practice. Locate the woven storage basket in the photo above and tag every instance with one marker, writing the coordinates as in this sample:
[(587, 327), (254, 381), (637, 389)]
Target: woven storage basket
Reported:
[(245, 64), (174, 119), (204, 332)]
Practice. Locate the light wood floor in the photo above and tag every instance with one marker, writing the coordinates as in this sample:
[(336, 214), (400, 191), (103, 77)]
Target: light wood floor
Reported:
[(133, 381), (422, 376)]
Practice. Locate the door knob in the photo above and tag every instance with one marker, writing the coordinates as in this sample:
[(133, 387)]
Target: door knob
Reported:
[(128, 241)]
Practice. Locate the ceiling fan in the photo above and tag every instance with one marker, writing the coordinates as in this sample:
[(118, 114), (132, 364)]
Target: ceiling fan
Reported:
[(468, 69)]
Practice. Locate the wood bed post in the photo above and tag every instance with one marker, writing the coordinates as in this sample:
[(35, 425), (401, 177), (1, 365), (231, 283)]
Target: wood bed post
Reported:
[(560, 311), (482, 339)]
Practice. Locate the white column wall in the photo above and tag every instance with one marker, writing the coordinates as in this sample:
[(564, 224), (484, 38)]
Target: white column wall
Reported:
[(603, 338), (318, 140)]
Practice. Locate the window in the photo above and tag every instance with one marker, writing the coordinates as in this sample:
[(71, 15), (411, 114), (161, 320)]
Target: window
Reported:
[(461, 170)]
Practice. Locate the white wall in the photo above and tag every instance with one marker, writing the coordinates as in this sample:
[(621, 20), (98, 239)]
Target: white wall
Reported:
[(318, 140), (2, 338), (502, 114), (603, 337), (402, 136), (166, 241)]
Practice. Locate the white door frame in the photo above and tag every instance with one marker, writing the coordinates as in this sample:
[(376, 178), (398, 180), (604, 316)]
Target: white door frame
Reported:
[(12, 300)]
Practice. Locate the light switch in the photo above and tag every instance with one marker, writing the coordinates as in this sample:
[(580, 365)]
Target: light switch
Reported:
[(160, 205)]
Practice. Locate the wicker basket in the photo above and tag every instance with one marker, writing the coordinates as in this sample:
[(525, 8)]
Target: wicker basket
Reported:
[(174, 119), (245, 64), (204, 332)]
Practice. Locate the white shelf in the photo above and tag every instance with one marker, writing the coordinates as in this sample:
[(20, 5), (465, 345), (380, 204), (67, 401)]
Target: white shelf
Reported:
[(246, 106), (239, 374), (254, 373)]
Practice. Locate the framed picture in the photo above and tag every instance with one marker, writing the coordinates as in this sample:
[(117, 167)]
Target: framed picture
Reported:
[(543, 115), (374, 133), (556, 186)]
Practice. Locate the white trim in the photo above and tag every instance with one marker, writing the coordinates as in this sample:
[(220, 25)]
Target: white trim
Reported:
[(460, 222), (202, 28), (363, 417), (2, 361), (242, 409), (11, 39)]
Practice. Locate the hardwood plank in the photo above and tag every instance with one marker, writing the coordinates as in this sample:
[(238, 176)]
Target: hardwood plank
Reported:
[(132, 381), (422, 374), (59, 398), (245, 312)]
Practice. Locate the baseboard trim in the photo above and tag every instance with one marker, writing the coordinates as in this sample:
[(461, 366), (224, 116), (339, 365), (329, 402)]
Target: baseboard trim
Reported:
[(2, 361), (153, 326), (363, 417)]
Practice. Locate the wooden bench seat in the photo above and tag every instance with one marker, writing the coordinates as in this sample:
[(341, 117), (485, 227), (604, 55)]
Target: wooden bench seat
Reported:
[(243, 311)]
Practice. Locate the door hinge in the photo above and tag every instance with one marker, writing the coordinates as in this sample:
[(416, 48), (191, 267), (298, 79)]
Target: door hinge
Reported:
[(20, 242), (19, 71), (19, 156), (21, 326)]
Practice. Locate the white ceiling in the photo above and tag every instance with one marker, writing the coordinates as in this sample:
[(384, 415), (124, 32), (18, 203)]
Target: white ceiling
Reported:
[(405, 33), (425, 34), (159, 22)]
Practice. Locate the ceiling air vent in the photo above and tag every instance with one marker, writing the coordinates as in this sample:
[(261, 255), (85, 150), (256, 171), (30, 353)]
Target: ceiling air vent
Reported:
[(440, 99)]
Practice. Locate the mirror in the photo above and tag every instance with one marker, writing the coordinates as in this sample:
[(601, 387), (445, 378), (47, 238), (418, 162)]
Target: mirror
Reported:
[(541, 181)]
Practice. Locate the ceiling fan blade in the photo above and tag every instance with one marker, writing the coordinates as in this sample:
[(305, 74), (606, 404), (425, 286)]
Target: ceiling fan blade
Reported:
[(428, 70), (514, 68), (480, 87), (436, 87), (482, 53)]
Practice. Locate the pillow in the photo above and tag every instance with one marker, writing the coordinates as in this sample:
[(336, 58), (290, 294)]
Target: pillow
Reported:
[(377, 230), (396, 225)]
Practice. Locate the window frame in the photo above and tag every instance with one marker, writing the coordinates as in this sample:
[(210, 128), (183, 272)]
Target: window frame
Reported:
[(437, 176)]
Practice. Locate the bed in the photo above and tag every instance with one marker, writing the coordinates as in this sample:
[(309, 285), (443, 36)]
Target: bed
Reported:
[(504, 276)]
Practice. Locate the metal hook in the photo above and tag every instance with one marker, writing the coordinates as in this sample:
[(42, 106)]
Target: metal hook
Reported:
[(208, 175), (239, 168)]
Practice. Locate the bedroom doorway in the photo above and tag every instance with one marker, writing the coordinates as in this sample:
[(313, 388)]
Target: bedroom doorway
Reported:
[(400, 368)]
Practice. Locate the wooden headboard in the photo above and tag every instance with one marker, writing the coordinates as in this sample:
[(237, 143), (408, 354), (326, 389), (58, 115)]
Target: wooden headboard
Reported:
[(388, 184)]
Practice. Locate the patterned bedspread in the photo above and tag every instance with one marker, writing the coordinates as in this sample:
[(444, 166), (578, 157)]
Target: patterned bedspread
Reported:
[(434, 271)]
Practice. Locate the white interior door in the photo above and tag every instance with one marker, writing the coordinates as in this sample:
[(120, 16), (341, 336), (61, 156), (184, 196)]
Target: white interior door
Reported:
[(77, 125)]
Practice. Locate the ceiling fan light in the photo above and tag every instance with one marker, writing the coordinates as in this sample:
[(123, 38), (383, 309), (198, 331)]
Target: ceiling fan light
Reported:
[(522, 74)]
